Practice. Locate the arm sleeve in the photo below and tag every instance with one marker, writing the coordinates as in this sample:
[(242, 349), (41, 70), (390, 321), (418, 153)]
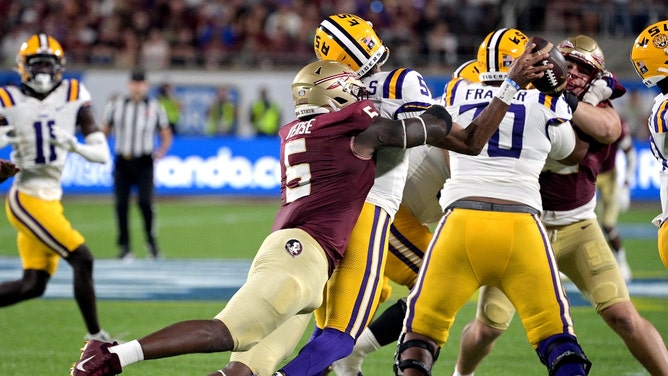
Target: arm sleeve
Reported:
[(95, 149)]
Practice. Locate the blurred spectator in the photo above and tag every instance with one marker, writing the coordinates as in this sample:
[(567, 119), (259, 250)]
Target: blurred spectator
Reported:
[(441, 45), (278, 33), (155, 51), (265, 115), (635, 113), (171, 104), (223, 114)]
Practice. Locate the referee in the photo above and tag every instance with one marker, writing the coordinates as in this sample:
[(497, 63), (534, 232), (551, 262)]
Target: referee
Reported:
[(134, 119)]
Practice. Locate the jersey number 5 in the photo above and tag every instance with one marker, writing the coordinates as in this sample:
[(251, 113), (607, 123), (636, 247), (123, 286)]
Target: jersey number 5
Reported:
[(300, 172)]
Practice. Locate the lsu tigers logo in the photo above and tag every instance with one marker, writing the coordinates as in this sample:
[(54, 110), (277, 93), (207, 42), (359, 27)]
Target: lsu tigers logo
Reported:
[(294, 247)]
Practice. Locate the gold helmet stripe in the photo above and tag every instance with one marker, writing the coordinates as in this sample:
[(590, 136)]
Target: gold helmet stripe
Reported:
[(493, 51), (339, 34)]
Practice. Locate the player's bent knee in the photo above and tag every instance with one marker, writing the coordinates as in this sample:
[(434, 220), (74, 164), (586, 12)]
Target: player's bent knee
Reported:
[(416, 357), (563, 351)]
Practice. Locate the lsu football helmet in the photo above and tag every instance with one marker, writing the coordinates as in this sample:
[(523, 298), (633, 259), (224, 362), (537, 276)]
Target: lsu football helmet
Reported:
[(497, 52), (41, 62), (584, 51), (325, 86), (350, 40), (468, 71), (649, 53)]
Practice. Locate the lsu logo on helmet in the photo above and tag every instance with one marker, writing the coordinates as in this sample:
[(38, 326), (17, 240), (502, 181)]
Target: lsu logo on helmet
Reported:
[(649, 53), (351, 40)]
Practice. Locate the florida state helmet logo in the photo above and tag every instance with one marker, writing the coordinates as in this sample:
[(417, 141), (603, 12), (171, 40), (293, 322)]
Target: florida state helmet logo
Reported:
[(294, 247)]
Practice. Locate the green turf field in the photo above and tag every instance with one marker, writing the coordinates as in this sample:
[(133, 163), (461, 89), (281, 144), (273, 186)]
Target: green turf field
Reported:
[(43, 336)]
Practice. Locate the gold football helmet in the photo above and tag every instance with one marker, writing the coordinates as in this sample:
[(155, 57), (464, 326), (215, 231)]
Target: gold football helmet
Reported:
[(41, 63), (325, 86), (649, 53), (584, 51), (350, 40), (497, 52), (468, 71)]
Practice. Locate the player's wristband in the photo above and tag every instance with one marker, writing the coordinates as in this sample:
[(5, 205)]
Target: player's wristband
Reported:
[(507, 90)]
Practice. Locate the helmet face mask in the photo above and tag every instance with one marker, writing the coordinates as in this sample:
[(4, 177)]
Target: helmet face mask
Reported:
[(40, 63), (497, 52), (351, 40), (325, 86), (649, 53), (583, 52)]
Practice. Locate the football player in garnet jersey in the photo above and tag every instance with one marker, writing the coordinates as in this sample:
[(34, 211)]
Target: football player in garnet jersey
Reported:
[(496, 193), (580, 247), (39, 119), (326, 173)]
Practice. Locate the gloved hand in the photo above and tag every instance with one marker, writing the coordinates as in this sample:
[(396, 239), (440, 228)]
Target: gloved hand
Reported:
[(7, 136), (572, 100), (600, 89), (63, 140), (624, 198)]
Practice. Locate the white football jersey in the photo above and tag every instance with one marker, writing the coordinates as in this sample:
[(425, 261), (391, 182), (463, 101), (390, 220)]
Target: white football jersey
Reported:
[(34, 121), (658, 128), (536, 126), (398, 94), (427, 171)]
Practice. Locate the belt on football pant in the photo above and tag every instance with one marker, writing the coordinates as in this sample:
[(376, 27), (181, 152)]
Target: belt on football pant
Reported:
[(488, 206)]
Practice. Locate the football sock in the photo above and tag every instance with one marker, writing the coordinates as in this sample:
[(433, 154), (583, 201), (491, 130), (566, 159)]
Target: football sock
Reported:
[(319, 353), (128, 353), (456, 373), (352, 364), (387, 327)]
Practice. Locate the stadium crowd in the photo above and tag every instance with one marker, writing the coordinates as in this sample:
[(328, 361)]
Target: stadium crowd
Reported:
[(268, 33)]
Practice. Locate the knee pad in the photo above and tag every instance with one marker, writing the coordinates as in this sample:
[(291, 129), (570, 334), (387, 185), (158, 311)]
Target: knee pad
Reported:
[(562, 350), (401, 364)]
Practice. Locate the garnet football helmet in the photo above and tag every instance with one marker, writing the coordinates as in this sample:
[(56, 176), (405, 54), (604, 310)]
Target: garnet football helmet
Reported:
[(350, 40), (584, 51), (41, 63), (325, 86), (468, 71), (649, 53), (497, 52)]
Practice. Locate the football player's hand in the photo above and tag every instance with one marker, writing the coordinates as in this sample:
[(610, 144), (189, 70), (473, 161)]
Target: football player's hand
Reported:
[(624, 198), (7, 169), (7, 136), (600, 89), (63, 140), (572, 100)]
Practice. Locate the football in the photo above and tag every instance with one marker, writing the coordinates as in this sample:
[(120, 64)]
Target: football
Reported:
[(553, 82)]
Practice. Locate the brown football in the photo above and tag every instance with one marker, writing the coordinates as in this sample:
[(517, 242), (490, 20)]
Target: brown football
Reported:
[(554, 80)]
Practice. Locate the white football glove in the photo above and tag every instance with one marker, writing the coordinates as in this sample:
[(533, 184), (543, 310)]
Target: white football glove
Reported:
[(599, 90), (624, 198), (5, 137), (64, 140)]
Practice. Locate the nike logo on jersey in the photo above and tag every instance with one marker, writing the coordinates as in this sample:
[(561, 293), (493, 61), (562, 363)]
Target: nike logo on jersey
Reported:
[(81, 363), (585, 226)]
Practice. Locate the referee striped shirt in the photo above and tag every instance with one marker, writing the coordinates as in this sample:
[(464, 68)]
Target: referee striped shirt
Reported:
[(134, 125)]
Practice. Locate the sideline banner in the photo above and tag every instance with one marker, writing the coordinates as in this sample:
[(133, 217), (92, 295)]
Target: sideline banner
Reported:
[(250, 167), (194, 166)]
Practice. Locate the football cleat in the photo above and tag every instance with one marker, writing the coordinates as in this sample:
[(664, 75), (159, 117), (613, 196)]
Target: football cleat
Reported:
[(96, 360)]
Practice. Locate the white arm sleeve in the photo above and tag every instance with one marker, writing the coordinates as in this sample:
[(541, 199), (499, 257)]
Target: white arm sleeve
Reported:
[(563, 140), (95, 149)]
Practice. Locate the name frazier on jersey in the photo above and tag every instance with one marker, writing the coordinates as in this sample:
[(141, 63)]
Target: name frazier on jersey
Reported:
[(488, 94)]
